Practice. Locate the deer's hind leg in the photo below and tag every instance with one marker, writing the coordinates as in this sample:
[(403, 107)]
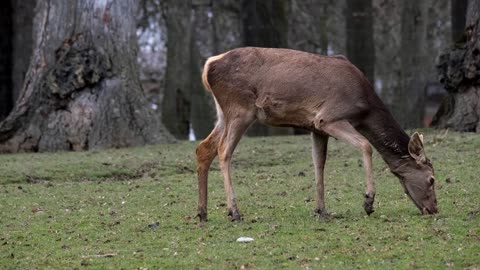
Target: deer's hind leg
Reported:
[(206, 152), (319, 155), (235, 126)]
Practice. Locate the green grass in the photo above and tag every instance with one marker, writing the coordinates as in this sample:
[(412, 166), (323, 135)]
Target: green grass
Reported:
[(70, 210)]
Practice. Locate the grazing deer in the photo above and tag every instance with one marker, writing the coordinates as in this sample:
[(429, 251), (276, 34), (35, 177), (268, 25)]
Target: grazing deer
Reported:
[(328, 96)]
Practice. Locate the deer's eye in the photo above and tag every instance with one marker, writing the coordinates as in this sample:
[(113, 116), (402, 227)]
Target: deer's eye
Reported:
[(431, 180)]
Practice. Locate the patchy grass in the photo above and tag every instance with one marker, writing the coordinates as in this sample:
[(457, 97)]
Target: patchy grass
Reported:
[(134, 209)]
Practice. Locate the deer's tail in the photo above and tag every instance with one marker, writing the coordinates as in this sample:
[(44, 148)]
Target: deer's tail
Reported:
[(207, 85)]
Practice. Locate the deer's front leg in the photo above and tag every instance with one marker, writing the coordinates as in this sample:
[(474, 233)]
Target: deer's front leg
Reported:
[(370, 183), (344, 131), (319, 156)]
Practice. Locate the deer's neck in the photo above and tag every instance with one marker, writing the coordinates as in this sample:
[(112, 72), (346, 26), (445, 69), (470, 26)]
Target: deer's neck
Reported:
[(386, 135)]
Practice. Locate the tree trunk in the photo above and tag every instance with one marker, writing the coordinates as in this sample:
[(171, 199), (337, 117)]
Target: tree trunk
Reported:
[(227, 25), (308, 25), (176, 99), (360, 45), (387, 29), (322, 21), (6, 99), (203, 110), (23, 14), (458, 10), (266, 25), (459, 72), (152, 49), (409, 103), (82, 89)]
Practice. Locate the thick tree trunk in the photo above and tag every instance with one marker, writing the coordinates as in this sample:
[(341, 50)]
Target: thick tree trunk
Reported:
[(152, 49), (227, 25), (308, 25), (459, 72), (203, 110), (360, 45), (387, 29), (82, 89), (409, 103), (6, 99), (176, 106), (322, 21), (266, 25)]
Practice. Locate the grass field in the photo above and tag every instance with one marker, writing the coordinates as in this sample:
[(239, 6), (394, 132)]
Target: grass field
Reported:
[(135, 208)]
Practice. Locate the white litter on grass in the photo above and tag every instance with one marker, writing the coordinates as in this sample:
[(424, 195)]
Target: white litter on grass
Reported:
[(245, 239)]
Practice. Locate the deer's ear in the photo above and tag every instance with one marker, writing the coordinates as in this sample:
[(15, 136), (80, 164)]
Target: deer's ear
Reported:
[(415, 148)]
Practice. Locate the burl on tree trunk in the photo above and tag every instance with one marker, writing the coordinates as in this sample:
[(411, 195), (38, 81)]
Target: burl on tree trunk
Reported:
[(459, 72), (82, 89)]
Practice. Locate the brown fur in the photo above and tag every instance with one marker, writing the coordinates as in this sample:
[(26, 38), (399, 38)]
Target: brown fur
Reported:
[(326, 95)]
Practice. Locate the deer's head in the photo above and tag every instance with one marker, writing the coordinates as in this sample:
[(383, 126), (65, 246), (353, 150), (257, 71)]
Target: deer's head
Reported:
[(417, 178)]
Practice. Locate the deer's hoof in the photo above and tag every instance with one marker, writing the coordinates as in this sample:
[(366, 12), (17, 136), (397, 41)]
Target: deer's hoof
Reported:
[(202, 215), (322, 213), (235, 215), (368, 204)]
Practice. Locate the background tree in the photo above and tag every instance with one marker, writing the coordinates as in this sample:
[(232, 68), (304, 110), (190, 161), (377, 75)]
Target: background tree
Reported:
[(409, 102), (387, 39), (6, 97), (311, 24), (227, 25), (152, 53), (388, 42), (458, 18), (16, 49), (176, 105), (82, 89), (266, 23), (203, 113), (459, 72), (23, 13), (359, 30)]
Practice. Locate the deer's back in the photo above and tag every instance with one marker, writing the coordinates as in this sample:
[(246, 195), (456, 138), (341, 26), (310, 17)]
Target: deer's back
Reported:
[(285, 82)]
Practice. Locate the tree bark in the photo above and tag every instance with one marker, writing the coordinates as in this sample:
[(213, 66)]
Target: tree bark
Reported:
[(359, 44), (227, 25), (308, 25), (409, 103), (82, 89), (203, 110), (387, 47), (458, 10), (152, 49), (266, 25), (459, 72), (6, 99), (176, 99)]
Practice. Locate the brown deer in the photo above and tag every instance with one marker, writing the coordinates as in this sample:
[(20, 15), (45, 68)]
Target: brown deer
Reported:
[(328, 96)]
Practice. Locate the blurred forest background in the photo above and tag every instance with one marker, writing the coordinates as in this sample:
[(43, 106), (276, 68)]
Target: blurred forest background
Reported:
[(93, 74)]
